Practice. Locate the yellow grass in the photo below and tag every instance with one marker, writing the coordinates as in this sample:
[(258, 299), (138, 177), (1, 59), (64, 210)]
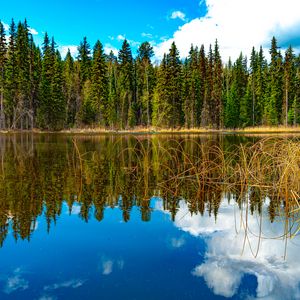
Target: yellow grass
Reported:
[(158, 130)]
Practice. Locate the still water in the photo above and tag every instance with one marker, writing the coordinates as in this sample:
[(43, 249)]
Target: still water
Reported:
[(101, 217)]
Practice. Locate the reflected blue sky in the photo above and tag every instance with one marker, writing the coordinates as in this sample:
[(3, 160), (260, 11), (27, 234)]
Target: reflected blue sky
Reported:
[(196, 257)]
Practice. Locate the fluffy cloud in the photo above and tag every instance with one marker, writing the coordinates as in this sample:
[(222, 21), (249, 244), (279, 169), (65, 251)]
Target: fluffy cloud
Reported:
[(64, 50), (239, 25), (178, 15), (6, 26), (227, 260), (121, 37), (33, 31), (108, 48)]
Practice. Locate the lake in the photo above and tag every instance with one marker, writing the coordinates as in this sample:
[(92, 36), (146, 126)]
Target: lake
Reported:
[(147, 217)]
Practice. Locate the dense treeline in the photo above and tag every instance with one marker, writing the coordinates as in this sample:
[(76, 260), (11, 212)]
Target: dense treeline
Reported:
[(40, 90)]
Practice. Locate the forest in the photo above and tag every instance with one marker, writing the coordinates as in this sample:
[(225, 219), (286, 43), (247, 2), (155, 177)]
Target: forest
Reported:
[(40, 89)]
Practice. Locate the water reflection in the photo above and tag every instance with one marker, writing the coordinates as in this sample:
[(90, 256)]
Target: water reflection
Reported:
[(243, 232), (231, 248)]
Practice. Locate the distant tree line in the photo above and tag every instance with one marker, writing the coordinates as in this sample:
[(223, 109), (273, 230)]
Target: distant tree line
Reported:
[(40, 90)]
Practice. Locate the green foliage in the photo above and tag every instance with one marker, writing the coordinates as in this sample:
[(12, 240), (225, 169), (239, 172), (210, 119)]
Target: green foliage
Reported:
[(38, 89)]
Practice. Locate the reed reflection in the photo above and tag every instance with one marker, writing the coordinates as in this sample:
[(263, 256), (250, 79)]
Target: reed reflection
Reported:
[(40, 172)]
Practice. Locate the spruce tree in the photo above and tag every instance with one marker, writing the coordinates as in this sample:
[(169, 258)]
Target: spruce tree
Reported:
[(145, 83), (69, 89), (57, 107), (126, 81), (175, 85), (113, 105), (10, 90), (216, 95), (99, 84), (3, 49), (289, 82)]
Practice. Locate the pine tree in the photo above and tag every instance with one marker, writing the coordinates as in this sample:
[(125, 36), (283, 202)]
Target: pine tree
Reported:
[(192, 92), (289, 89), (10, 90), (126, 78), (274, 96), (3, 50), (216, 95), (23, 104), (202, 81), (175, 85), (69, 89), (113, 107), (57, 109), (162, 109), (99, 84), (35, 70), (84, 59), (145, 83), (208, 108)]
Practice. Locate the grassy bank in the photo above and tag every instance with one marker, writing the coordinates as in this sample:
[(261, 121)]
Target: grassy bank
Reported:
[(156, 130)]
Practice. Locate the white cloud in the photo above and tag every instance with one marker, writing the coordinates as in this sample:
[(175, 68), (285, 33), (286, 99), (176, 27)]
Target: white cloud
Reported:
[(147, 35), (6, 26), (72, 283), (178, 15), (108, 48), (226, 261), (64, 50), (238, 25), (121, 37), (33, 31), (15, 282), (108, 265)]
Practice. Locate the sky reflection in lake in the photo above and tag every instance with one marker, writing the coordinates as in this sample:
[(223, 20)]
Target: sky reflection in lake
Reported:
[(85, 228), (196, 255)]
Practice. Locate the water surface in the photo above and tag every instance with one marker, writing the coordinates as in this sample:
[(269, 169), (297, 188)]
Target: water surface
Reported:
[(122, 217)]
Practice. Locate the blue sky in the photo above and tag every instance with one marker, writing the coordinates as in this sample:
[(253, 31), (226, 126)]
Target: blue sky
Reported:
[(237, 24)]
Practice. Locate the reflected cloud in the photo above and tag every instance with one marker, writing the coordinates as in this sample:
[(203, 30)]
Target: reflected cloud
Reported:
[(108, 265), (73, 283), (232, 246), (15, 282), (47, 297), (177, 242)]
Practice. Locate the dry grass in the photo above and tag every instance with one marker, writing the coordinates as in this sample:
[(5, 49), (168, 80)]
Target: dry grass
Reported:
[(159, 130)]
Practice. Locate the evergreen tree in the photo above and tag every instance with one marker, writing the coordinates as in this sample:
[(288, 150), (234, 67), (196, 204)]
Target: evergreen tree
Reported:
[(216, 95), (113, 107), (145, 83), (84, 59), (289, 81), (273, 97), (23, 104), (10, 91), (57, 109), (208, 106), (126, 83), (3, 49), (99, 84), (162, 109), (69, 89), (175, 86)]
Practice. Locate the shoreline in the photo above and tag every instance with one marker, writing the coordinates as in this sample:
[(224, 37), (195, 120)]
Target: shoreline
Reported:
[(154, 131)]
